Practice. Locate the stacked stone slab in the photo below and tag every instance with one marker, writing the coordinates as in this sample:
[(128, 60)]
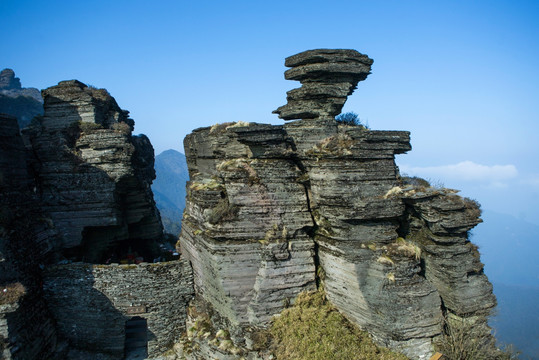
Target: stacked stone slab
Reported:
[(91, 304), (328, 77), (93, 175), (271, 209)]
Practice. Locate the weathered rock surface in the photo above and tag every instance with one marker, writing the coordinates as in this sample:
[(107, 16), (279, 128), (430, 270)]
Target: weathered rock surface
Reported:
[(8, 81), (245, 229), (327, 76), (93, 176), (85, 297), (24, 239), (88, 195), (275, 210)]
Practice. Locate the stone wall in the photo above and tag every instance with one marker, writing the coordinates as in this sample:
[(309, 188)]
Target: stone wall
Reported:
[(91, 303)]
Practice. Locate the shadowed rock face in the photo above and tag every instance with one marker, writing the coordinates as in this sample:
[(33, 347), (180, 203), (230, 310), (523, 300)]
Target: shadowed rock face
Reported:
[(26, 327), (275, 210), (8, 80), (327, 77), (92, 175)]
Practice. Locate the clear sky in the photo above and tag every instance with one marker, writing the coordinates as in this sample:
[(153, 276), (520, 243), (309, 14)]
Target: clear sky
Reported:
[(462, 76)]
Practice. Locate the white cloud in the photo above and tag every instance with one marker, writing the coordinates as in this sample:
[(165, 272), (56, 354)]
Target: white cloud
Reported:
[(465, 170)]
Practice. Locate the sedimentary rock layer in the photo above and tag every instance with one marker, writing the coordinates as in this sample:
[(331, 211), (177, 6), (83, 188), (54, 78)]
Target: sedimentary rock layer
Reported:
[(327, 76), (92, 174), (273, 209), (26, 327)]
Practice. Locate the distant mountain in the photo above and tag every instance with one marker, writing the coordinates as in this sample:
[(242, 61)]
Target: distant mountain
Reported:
[(169, 188), (23, 103), (509, 250)]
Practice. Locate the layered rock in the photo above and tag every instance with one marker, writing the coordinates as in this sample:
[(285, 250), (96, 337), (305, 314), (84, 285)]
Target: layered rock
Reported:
[(25, 238), (327, 76), (274, 210), (245, 228), (93, 175)]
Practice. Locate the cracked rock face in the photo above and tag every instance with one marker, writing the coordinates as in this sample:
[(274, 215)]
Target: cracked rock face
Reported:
[(93, 176), (275, 210)]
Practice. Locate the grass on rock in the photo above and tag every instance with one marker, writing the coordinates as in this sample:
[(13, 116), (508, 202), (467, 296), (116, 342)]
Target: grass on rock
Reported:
[(313, 329)]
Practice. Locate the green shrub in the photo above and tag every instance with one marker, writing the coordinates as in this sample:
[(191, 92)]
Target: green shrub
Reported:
[(350, 118)]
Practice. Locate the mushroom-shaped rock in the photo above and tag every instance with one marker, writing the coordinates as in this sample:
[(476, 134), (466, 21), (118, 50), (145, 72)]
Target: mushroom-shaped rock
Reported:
[(327, 76)]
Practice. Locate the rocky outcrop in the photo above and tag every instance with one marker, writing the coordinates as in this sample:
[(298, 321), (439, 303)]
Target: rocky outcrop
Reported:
[(246, 226), (275, 210), (23, 103), (24, 239), (327, 77), (93, 175), (86, 197), (8, 81)]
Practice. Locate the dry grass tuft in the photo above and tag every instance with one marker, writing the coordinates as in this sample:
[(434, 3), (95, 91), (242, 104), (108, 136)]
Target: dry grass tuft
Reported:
[(11, 293), (462, 340), (313, 329)]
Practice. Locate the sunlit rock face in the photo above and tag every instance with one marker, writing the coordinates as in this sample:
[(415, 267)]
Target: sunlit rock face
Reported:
[(275, 210), (93, 175)]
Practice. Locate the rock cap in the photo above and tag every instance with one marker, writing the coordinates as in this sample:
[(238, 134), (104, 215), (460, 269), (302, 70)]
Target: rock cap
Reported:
[(328, 77)]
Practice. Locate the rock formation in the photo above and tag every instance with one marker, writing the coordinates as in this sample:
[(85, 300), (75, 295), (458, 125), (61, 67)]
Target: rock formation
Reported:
[(271, 211), (80, 191), (327, 76), (275, 210), (24, 238), (92, 175), (23, 103)]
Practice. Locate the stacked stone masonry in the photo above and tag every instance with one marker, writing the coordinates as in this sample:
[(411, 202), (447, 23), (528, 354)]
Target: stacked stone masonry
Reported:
[(91, 303)]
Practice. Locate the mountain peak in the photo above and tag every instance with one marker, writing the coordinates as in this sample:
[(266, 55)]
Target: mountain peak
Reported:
[(8, 80)]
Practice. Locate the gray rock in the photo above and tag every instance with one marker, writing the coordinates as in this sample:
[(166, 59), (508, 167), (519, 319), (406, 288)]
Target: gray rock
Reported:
[(327, 76), (93, 176), (271, 209)]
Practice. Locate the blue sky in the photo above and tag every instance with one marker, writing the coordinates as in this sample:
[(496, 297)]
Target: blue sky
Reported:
[(462, 76)]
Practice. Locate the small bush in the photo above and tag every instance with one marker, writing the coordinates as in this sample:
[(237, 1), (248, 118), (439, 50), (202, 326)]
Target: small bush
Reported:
[(223, 211), (463, 340), (414, 181), (350, 118)]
